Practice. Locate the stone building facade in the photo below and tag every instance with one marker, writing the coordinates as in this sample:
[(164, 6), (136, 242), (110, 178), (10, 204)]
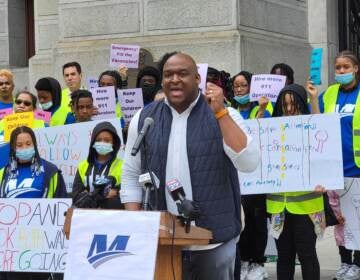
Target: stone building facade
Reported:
[(232, 35)]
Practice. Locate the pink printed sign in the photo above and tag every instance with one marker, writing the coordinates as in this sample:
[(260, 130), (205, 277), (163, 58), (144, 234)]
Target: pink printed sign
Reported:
[(5, 112), (42, 115)]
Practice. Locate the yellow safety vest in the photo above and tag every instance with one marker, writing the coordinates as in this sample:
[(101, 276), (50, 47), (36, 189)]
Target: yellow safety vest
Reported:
[(330, 97), (59, 116), (115, 170), (49, 191), (295, 202), (254, 111)]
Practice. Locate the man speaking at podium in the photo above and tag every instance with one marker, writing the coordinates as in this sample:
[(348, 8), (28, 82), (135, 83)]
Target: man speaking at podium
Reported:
[(199, 142)]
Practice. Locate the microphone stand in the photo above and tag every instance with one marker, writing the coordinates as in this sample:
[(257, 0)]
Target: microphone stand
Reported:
[(149, 186)]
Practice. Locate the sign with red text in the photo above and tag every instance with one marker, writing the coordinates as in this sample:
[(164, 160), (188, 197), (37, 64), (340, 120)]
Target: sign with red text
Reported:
[(42, 115), (104, 101), (267, 85), (131, 101), (67, 145), (296, 154), (32, 235), (126, 55), (5, 112)]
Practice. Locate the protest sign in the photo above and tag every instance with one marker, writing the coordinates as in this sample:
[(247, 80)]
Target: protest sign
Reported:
[(131, 101), (350, 209), (65, 146), (114, 250), (32, 235), (202, 69), (5, 112), (104, 100), (297, 153), (42, 115), (266, 85), (126, 55), (91, 82), (315, 66), (15, 120)]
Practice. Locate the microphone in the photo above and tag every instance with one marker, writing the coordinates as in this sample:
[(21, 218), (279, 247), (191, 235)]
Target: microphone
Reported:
[(147, 123), (147, 180), (188, 209)]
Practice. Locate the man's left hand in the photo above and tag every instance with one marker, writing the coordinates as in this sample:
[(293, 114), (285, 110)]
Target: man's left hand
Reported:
[(215, 97)]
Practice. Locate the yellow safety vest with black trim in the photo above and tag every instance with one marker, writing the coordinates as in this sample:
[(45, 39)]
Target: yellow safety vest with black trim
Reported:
[(300, 203), (254, 111), (115, 170), (330, 97), (49, 191)]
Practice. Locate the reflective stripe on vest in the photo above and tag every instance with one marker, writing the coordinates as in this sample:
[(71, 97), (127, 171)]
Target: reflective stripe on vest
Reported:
[(254, 111), (115, 170), (330, 97), (295, 202)]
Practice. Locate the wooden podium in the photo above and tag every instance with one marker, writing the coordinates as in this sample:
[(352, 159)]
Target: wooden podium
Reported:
[(170, 243)]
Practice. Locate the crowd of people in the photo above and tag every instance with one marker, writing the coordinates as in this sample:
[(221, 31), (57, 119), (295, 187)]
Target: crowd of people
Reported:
[(199, 139)]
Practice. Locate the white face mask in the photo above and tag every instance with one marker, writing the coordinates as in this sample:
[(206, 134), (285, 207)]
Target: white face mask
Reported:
[(46, 106)]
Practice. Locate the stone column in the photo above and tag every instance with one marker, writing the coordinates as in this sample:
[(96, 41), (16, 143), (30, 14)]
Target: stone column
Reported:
[(4, 34)]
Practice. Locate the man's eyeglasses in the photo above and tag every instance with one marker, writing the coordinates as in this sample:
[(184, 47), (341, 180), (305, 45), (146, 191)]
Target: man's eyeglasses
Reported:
[(25, 102)]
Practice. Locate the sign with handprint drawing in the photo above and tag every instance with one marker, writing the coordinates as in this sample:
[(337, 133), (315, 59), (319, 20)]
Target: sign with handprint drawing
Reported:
[(297, 154), (350, 208)]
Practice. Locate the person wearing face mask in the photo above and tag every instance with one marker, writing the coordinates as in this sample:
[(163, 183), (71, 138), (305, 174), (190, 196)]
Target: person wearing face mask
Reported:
[(241, 100), (49, 95), (343, 98), (250, 259), (148, 79), (27, 175), (102, 161)]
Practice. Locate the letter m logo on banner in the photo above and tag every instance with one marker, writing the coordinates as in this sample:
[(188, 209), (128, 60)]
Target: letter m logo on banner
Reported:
[(99, 253)]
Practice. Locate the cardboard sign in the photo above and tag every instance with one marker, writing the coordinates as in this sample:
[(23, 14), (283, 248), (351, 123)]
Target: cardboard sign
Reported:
[(15, 120), (315, 66), (104, 100), (92, 82), (266, 85), (131, 101), (297, 153), (42, 115), (123, 248), (32, 235), (124, 54), (202, 69), (5, 112)]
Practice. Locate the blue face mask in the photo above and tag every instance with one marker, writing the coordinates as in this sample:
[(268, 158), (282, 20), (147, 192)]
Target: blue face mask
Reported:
[(25, 154), (46, 106), (344, 79), (103, 148), (242, 100)]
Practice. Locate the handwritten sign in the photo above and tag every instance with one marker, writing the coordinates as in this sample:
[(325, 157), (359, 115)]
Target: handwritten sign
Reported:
[(350, 209), (297, 153), (104, 100), (114, 250), (42, 115), (32, 236), (65, 146), (131, 101), (315, 66), (92, 82), (202, 69), (124, 54), (15, 120), (5, 112), (266, 85)]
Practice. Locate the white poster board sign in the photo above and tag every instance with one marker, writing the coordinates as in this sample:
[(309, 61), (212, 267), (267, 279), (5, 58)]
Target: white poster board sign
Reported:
[(105, 102), (32, 239), (126, 55), (131, 101), (67, 145), (297, 153), (124, 247), (92, 82), (202, 69), (266, 85), (350, 209)]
